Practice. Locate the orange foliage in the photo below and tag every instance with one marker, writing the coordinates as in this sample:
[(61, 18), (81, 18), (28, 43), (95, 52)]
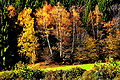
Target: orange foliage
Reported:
[(64, 25), (110, 45), (95, 17), (98, 15), (43, 17), (75, 14), (60, 15), (111, 26), (12, 11), (110, 23), (47, 7)]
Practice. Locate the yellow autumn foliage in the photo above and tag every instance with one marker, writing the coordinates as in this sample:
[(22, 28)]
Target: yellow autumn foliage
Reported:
[(42, 17), (12, 11), (60, 15), (27, 40)]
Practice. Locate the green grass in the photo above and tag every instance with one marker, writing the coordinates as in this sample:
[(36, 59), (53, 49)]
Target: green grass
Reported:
[(83, 66), (67, 67), (7, 74)]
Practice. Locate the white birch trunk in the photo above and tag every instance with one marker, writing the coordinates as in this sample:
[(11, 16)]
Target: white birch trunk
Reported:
[(73, 42)]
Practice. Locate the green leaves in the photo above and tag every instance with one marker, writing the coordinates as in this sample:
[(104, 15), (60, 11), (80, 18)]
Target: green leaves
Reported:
[(5, 49)]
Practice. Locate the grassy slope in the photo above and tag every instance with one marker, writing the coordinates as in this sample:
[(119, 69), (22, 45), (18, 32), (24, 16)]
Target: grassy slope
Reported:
[(83, 66), (68, 67)]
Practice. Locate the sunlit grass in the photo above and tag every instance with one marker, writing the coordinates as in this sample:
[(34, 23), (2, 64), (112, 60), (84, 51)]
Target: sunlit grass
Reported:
[(67, 67), (84, 66)]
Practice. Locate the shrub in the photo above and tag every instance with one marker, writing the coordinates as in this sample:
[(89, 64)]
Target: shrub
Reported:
[(103, 72), (27, 40), (64, 75), (23, 73), (6, 75)]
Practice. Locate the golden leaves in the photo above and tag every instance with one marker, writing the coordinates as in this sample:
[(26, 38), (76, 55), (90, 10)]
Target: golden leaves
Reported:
[(24, 18), (96, 11), (47, 7), (75, 13), (90, 43), (111, 42), (91, 18), (43, 17), (111, 26), (98, 15), (27, 40), (95, 17), (60, 15), (110, 23), (11, 10)]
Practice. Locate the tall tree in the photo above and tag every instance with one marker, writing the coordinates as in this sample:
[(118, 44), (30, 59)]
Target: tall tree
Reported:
[(27, 41), (62, 22), (95, 20), (76, 23), (44, 19)]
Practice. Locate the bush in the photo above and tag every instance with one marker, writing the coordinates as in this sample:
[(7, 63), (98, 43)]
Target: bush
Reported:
[(21, 73), (64, 75), (24, 73), (103, 72), (6, 75)]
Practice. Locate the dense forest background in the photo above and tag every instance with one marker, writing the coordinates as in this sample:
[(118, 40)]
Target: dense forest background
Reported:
[(64, 32)]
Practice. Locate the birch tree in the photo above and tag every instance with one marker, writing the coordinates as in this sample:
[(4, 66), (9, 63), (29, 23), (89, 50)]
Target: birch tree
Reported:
[(62, 21), (44, 19)]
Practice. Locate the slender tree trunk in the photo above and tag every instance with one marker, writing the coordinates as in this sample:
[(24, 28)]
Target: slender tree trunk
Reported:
[(57, 26), (49, 44), (77, 33), (93, 30), (33, 58), (59, 30), (60, 40), (73, 42), (97, 19), (48, 39), (97, 33)]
